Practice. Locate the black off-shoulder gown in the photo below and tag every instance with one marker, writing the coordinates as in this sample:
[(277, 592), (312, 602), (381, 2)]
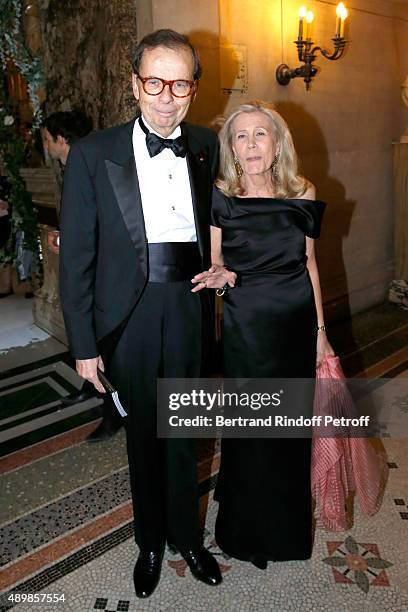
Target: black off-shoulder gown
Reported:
[(269, 331)]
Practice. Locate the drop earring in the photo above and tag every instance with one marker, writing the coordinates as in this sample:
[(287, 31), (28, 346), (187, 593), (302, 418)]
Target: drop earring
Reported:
[(274, 166), (238, 167)]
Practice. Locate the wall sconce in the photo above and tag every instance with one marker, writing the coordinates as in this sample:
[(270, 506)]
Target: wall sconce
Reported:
[(306, 51)]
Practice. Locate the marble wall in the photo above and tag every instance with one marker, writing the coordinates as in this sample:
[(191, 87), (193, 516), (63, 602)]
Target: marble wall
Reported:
[(87, 49)]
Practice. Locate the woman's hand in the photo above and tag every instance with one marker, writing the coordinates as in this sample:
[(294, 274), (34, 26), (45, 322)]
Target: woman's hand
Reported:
[(324, 348), (215, 278)]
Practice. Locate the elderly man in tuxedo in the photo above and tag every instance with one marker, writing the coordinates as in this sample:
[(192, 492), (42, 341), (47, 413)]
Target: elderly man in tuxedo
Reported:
[(134, 230)]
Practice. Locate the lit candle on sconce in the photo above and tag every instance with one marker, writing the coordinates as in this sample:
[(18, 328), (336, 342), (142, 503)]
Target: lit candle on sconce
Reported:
[(341, 13), (302, 15), (309, 22), (306, 50)]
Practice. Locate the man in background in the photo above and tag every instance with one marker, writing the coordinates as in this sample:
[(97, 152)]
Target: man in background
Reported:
[(59, 130)]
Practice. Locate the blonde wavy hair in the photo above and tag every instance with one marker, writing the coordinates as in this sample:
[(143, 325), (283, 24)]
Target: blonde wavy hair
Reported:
[(287, 182)]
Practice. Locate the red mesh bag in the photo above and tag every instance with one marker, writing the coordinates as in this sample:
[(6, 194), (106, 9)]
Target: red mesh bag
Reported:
[(343, 466)]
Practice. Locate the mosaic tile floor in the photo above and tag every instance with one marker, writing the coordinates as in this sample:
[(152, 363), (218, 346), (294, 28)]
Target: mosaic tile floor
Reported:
[(360, 570), (66, 517)]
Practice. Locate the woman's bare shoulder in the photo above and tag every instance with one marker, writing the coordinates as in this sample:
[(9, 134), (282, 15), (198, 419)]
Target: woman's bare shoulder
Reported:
[(310, 193)]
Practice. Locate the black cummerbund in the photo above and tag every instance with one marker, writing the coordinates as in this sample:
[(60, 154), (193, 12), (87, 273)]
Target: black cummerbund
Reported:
[(173, 261)]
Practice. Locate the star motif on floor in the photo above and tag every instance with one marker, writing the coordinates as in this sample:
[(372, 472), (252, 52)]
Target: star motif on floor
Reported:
[(357, 563)]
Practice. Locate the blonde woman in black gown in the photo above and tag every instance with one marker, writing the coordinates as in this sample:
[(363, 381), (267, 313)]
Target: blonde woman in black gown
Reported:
[(264, 221)]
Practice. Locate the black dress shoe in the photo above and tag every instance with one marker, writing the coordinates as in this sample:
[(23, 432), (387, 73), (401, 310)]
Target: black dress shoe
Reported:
[(79, 396), (146, 574), (203, 566), (104, 431)]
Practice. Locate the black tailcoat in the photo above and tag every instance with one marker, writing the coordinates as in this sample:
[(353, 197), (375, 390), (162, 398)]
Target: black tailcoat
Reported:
[(109, 304), (103, 256)]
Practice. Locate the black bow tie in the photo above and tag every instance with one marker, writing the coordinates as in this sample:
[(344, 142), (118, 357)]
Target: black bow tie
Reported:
[(155, 144)]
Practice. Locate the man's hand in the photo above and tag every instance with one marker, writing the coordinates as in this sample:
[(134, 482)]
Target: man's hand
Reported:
[(215, 278), (86, 368)]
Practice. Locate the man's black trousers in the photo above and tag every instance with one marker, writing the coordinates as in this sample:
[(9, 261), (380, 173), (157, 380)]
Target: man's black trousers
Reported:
[(163, 338)]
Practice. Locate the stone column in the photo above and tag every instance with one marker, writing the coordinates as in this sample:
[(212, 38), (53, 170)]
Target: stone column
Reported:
[(45, 193), (399, 286), (86, 53)]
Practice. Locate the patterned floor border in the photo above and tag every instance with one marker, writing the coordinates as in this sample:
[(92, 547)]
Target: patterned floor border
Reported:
[(46, 448), (82, 556), (389, 368), (37, 583)]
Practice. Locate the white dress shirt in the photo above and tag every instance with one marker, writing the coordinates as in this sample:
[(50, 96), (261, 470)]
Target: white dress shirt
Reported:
[(165, 191)]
